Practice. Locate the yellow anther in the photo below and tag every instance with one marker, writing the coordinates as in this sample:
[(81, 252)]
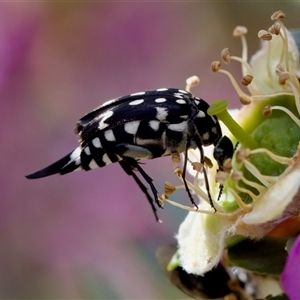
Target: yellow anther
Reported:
[(242, 154), (267, 110), (264, 35), (177, 171), (277, 15), (283, 77), (247, 80), (236, 175), (198, 167), (227, 165), (169, 188), (275, 28), (225, 54), (192, 82), (215, 66), (208, 162), (244, 99), (239, 31), (175, 158), (221, 177)]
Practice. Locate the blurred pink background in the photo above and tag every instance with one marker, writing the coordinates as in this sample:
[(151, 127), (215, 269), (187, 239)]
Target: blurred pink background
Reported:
[(93, 235)]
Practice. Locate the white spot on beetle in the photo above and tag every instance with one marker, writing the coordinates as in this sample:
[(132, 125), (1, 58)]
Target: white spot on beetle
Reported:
[(102, 125), (106, 159), (138, 94), (180, 127), (178, 95), (162, 90), (132, 127), (87, 150), (96, 142), (93, 164), (136, 102), (160, 100), (154, 125), (180, 101), (75, 156), (162, 113), (201, 114), (109, 135), (183, 91), (108, 102), (205, 136), (103, 118), (214, 130)]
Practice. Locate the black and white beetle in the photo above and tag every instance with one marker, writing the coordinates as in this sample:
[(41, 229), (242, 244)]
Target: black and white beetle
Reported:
[(144, 125)]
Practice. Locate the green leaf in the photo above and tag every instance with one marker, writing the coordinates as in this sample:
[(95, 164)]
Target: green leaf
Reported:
[(278, 297), (266, 256)]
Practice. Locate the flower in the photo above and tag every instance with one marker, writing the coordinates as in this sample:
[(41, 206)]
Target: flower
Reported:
[(290, 277), (261, 188)]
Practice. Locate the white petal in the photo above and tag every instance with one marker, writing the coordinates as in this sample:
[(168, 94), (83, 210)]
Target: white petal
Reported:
[(273, 203), (201, 240)]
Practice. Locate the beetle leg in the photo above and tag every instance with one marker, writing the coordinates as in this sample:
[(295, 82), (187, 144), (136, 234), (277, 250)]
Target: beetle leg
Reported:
[(187, 145), (128, 168)]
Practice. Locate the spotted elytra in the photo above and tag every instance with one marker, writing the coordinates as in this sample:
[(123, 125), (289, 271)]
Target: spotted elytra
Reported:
[(144, 125)]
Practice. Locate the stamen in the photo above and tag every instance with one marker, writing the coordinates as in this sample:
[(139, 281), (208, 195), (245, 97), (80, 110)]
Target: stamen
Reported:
[(287, 111), (247, 80), (242, 205), (275, 28), (242, 154), (192, 82), (194, 209), (243, 190), (267, 110), (261, 189), (240, 31), (277, 15), (264, 179), (175, 157), (169, 188), (281, 159), (225, 54), (237, 176), (282, 74), (177, 171), (227, 165), (227, 57), (197, 166), (208, 162), (291, 80), (191, 186), (264, 35), (244, 98), (221, 177)]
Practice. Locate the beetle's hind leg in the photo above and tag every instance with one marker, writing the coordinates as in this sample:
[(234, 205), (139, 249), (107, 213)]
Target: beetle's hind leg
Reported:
[(129, 154), (128, 167)]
